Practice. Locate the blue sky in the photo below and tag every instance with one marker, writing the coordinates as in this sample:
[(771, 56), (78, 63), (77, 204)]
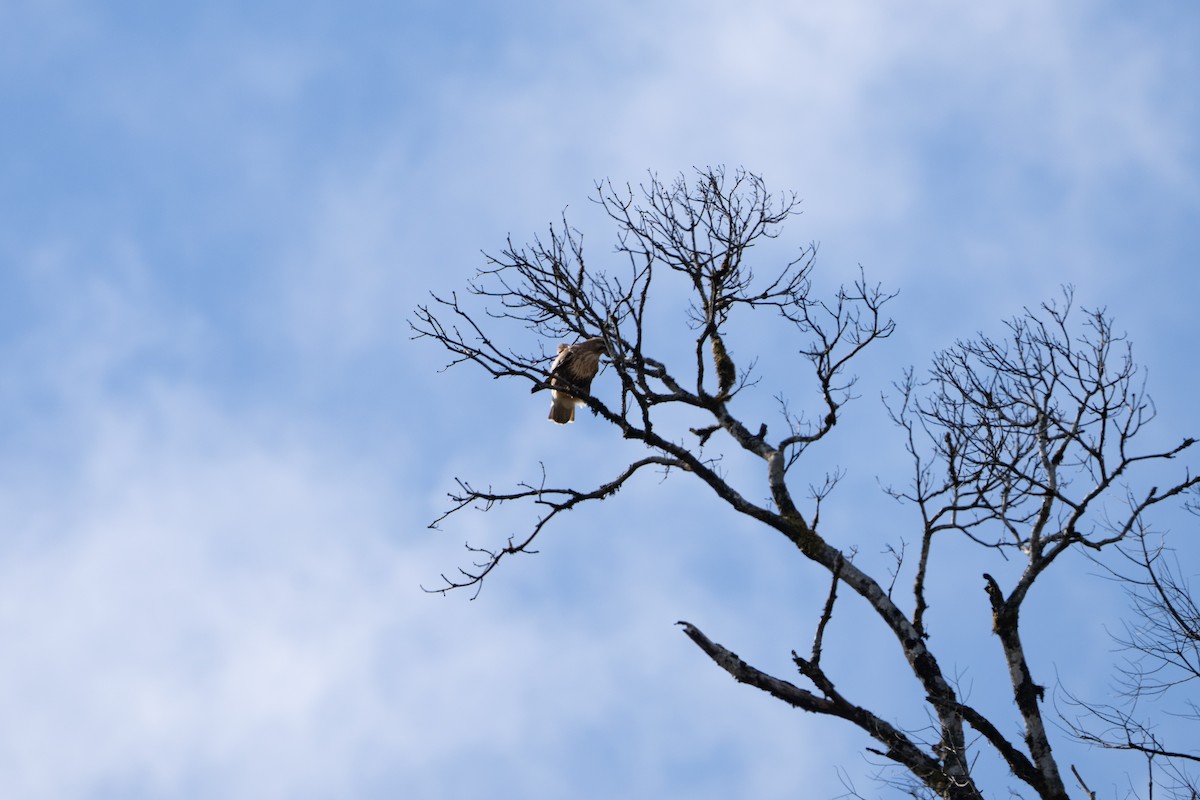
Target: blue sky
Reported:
[(220, 447)]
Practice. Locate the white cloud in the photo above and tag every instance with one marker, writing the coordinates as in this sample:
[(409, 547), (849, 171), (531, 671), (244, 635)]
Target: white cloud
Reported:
[(963, 146), (214, 609), (175, 616)]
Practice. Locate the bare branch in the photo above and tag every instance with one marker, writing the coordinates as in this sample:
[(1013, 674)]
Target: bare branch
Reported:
[(899, 747), (555, 500)]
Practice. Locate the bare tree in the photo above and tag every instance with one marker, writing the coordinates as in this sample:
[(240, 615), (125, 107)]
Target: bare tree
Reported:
[(1162, 643), (1024, 445)]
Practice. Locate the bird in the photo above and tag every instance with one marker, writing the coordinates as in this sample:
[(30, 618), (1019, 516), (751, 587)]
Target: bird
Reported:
[(571, 375)]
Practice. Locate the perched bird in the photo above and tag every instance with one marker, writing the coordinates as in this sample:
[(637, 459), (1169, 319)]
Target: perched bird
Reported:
[(572, 373)]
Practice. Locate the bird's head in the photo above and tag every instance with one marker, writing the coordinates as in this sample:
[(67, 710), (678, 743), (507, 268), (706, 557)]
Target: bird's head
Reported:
[(594, 345)]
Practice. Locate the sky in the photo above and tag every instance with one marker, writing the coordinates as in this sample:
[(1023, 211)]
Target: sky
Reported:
[(220, 448)]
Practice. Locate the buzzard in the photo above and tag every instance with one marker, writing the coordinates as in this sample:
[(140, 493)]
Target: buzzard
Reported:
[(573, 371)]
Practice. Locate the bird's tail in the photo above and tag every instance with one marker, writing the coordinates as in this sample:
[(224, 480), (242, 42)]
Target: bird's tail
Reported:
[(562, 414)]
